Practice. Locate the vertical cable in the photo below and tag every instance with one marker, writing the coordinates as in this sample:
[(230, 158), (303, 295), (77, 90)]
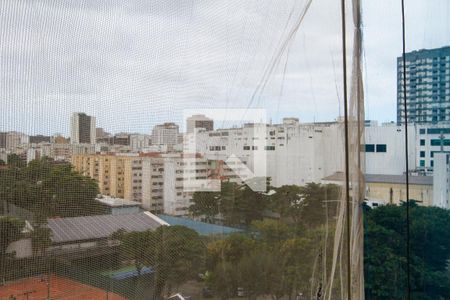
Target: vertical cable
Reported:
[(408, 261), (347, 175)]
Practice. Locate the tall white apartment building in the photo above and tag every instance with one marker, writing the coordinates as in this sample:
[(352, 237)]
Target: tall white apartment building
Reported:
[(82, 129), (165, 134), (293, 153), (427, 88)]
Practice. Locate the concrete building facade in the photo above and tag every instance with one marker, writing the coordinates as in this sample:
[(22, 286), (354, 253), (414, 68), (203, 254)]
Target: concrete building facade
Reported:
[(165, 134), (163, 183), (441, 180)]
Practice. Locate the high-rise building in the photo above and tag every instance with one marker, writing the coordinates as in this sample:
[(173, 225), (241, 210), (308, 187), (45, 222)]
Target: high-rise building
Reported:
[(165, 134), (82, 129), (199, 121), (427, 86), (12, 139)]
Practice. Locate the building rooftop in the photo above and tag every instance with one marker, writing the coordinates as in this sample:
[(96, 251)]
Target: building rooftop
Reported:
[(116, 202), (382, 178), (201, 228), (102, 226)]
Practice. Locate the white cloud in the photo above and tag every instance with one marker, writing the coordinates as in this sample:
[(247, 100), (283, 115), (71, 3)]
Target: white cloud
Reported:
[(136, 63)]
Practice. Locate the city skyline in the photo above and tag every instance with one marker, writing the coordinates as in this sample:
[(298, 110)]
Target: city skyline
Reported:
[(131, 77)]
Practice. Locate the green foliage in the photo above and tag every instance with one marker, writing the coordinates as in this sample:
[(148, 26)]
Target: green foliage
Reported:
[(176, 254), (385, 252), (283, 256), (10, 231), (205, 204), (50, 190), (179, 256), (276, 261), (40, 239), (230, 250), (308, 205), (237, 204), (15, 161), (136, 245)]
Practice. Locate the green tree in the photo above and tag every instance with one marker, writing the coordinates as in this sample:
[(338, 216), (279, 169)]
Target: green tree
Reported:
[(40, 239), (135, 246), (385, 252), (224, 258), (10, 231), (287, 201), (309, 205), (206, 204), (50, 190), (273, 232), (237, 204), (230, 250), (15, 161), (224, 280), (178, 254)]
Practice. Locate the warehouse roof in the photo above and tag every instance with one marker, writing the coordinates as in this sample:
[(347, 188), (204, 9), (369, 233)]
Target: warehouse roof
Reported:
[(102, 226), (382, 178)]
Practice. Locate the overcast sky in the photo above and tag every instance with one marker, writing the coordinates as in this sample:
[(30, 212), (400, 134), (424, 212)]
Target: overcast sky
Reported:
[(136, 63)]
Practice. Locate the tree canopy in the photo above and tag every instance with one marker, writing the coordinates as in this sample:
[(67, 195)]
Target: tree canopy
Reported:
[(385, 252), (237, 204), (10, 231), (50, 190), (176, 254)]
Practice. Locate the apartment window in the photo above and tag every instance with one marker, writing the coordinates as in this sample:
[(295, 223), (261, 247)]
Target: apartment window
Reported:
[(437, 142), (422, 131), (422, 142), (422, 163), (246, 147), (370, 148), (381, 148), (422, 153)]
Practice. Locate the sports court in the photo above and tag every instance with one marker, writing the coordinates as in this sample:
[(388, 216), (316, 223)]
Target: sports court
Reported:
[(126, 272), (35, 288)]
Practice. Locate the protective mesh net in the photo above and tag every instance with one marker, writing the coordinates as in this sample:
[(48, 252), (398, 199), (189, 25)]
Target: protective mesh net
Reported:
[(175, 150), (240, 209)]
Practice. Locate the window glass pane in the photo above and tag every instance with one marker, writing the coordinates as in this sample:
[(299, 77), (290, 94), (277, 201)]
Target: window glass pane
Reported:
[(381, 148), (370, 148)]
